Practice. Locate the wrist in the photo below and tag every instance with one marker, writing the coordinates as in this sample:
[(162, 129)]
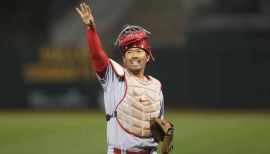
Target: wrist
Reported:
[(91, 25)]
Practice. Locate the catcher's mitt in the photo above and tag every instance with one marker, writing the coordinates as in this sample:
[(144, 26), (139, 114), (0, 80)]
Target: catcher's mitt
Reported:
[(162, 130)]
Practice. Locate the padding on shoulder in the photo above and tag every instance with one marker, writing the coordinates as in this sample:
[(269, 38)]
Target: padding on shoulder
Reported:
[(156, 81), (118, 69)]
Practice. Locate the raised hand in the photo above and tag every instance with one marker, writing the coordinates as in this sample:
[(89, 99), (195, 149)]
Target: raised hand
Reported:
[(86, 15)]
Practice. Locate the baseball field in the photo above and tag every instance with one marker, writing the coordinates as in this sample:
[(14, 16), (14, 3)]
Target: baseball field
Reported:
[(197, 132)]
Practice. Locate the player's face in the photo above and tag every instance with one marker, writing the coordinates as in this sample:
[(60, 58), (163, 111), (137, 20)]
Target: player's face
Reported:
[(135, 59)]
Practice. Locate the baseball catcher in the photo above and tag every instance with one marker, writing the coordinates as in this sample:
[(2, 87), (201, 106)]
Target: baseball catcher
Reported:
[(134, 102)]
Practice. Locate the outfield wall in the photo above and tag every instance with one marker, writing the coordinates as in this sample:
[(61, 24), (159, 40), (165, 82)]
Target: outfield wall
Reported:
[(217, 69)]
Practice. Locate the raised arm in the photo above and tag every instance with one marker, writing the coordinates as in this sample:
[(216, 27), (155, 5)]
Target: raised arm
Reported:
[(98, 56)]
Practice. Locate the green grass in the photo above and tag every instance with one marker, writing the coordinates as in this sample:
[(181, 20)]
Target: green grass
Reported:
[(85, 132)]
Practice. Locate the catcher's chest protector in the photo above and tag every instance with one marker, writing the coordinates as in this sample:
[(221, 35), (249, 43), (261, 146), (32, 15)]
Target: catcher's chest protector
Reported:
[(140, 103)]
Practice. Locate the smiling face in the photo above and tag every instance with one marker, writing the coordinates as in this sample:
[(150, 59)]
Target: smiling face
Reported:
[(135, 60)]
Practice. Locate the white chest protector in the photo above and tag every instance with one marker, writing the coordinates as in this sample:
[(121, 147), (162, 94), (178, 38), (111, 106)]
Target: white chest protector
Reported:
[(140, 103)]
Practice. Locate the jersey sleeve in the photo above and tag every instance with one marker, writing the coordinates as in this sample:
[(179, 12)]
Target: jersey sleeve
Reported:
[(99, 58), (161, 114), (113, 74)]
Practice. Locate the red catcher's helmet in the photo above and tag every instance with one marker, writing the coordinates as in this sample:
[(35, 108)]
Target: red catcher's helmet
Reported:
[(134, 36)]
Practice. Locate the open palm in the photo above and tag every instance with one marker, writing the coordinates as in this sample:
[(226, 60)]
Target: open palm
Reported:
[(86, 15)]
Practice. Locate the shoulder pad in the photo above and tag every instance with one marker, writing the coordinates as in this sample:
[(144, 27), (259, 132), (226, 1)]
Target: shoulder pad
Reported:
[(155, 81), (118, 69)]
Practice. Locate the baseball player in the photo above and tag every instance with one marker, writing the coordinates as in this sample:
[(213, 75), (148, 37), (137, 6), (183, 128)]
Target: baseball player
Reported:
[(131, 97)]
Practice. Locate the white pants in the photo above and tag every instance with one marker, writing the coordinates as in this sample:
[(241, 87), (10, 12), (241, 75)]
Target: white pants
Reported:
[(111, 150)]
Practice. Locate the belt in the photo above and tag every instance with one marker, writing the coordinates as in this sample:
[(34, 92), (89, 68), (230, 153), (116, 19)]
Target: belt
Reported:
[(144, 151)]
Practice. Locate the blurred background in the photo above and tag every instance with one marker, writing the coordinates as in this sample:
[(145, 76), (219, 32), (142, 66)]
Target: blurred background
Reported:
[(210, 54)]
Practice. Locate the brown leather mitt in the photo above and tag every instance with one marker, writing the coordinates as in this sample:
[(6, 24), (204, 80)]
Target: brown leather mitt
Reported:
[(162, 130)]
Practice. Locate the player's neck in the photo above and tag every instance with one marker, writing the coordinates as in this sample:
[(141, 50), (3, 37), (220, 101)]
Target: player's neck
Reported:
[(138, 74)]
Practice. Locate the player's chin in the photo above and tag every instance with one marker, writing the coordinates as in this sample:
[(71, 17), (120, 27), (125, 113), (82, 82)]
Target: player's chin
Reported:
[(135, 68)]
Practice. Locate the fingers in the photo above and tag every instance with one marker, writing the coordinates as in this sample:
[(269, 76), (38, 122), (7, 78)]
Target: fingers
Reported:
[(78, 10), (88, 9), (82, 8), (85, 8)]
